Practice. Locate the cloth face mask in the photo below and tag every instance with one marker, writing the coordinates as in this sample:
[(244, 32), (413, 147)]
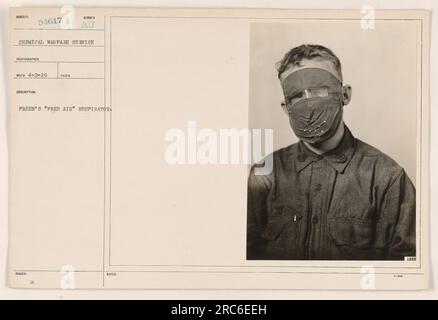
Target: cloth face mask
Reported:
[(314, 103)]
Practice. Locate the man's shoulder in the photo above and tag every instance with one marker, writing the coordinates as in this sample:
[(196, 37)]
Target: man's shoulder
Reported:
[(286, 151), (382, 160), (283, 155)]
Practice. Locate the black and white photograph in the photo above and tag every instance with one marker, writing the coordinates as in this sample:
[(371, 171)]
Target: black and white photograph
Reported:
[(344, 189)]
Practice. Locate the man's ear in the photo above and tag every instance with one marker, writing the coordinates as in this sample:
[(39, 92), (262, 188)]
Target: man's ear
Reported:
[(346, 94), (284, 107)]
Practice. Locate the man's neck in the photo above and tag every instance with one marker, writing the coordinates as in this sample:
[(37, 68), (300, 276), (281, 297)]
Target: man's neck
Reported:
[(329, 144)]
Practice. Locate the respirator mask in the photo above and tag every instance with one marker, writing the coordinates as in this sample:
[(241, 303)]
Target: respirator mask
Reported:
[(314, 103)]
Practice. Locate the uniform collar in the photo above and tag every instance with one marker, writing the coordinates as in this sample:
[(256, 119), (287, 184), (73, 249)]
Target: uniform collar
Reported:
[(338, 158)]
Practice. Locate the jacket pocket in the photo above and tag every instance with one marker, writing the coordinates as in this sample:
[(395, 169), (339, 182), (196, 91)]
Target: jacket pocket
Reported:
[(352, 232), (288, 219)]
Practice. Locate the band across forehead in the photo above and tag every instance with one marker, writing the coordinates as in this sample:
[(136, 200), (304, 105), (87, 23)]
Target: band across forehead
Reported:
[(306, 78), (314, 63)]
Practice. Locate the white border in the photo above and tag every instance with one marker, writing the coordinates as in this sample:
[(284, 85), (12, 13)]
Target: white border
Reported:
[(7, 293)]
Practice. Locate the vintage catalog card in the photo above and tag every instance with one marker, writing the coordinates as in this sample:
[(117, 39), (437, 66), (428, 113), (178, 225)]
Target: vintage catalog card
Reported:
[(218, 148)]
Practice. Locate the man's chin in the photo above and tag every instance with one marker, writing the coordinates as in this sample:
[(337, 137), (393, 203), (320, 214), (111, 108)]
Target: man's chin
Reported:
[(316, 142)]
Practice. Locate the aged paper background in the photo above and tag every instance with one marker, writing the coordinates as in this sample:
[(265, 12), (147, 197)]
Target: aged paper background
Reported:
[(128, 183)]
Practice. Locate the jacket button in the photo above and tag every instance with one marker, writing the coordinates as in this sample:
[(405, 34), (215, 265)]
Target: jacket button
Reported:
[(301, 158), (318, 187), (315, 219)]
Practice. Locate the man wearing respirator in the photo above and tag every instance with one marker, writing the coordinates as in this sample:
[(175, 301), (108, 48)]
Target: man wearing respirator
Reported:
[(330, 196)]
